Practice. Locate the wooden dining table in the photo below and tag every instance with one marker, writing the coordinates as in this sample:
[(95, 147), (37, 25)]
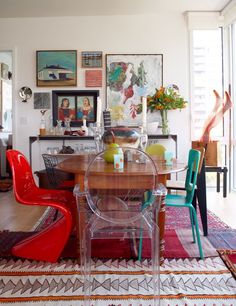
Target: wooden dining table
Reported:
[(78, 166)]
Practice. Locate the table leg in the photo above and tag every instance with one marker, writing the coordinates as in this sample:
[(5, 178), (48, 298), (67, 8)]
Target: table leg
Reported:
[(200, 196), (225, 170), (218, 181)]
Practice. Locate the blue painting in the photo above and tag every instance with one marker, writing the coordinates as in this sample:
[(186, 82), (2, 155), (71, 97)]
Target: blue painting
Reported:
[(56, 68)]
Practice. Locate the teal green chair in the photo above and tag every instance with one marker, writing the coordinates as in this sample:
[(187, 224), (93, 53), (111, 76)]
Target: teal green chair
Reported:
[(186, 200)]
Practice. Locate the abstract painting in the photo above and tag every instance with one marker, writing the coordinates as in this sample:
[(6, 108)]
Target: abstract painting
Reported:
[(128, 78)]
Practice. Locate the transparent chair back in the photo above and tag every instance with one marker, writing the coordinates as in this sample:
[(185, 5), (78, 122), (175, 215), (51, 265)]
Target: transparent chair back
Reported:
[(121, 205)]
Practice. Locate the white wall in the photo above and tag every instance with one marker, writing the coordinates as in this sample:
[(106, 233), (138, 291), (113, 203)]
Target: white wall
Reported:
[(164, 32)]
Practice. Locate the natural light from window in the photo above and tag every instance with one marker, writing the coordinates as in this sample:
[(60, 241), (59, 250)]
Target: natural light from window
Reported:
[(206, 76)]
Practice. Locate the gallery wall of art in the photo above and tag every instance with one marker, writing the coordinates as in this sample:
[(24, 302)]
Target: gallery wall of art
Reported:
[(126, 34)]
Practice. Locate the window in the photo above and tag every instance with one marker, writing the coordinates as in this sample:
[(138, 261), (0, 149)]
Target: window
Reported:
[(207, 74)]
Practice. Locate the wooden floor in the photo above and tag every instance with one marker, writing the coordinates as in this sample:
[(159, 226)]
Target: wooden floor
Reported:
[(16, 217)]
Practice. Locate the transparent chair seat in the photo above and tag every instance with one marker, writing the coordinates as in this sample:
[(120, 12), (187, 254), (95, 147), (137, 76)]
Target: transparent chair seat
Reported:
[(120, 205)]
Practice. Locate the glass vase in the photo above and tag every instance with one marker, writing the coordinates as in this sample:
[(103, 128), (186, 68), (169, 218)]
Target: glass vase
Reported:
[(67, 126), (143, 138), (164, 122)]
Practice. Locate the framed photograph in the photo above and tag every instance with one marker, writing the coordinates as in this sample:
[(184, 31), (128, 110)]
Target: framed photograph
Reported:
[(56, 68), (91, 59), (74, 104), (129, 77), (41, 100)]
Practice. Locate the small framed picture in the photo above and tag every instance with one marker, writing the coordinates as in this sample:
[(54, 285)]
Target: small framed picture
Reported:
[(93, 78), (41, 100), (76, 105), (56, 68), (91, 59)]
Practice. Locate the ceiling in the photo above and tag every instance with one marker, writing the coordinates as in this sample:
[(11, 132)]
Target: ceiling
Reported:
[(47, 8)]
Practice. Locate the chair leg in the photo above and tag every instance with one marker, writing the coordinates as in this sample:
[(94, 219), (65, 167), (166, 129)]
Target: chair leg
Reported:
[(192, 224), (155, 264), (197, 232), (140, 248), (85, 263)]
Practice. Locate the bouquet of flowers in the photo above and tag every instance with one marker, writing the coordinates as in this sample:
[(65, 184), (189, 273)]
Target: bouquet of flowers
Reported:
[(166, 98)]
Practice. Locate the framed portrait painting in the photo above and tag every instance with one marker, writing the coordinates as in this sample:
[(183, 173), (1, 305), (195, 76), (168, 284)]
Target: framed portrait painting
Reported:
[(129, 77), (76, 105), (56, 68)]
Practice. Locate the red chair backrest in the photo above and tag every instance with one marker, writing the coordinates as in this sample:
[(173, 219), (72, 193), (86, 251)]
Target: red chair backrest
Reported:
[(23, 180)]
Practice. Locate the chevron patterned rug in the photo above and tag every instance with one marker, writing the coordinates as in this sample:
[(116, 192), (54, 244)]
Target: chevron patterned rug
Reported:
[(185, 282)]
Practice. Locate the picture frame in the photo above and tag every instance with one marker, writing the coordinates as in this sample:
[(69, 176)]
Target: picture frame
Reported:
[(82, 105), (93, 78), (129, 77), (91, 59), (56, 68), (41, 100)]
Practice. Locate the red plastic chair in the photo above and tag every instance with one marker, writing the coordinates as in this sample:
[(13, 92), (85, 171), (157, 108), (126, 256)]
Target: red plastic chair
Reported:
[(49, 243)]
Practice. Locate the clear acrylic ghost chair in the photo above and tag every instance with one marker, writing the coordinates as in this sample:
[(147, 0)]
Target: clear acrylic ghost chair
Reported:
[(121, 204)]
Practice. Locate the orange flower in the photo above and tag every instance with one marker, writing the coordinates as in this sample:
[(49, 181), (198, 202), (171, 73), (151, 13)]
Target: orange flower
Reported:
[(165, 98)]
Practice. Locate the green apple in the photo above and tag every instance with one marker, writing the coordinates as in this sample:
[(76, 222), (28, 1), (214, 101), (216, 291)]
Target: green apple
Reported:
[(111, 150)]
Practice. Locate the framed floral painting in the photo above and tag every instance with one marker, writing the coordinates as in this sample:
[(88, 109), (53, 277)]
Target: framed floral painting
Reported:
[(129, 77)]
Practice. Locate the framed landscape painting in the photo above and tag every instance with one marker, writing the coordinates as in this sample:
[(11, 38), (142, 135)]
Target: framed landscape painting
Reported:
[(75, 105), (56, 68), (128, 78)]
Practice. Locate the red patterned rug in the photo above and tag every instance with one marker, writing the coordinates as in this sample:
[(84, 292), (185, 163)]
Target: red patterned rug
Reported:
[(177, 235), (229, 258), (174, 219), (178, 239), (178, 244)]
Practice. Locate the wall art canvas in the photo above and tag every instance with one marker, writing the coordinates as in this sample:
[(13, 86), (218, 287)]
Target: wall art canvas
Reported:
[(56, 68), (91, 59), (128, 78), (93, 78), (41, 100)]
